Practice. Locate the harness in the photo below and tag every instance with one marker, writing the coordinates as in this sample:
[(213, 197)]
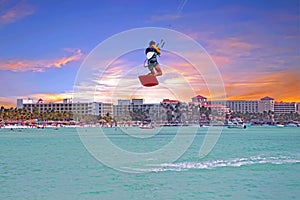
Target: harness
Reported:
[(151, 59)]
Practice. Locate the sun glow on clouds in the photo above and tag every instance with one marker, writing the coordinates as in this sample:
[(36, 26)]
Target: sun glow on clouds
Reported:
[(7, 102), (253, 67), (283, 86), (180, 80), (52, 97), (42, 64), (47, 97)]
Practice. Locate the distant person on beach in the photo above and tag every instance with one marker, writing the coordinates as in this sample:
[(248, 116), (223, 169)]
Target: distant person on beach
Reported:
[(152, 52)]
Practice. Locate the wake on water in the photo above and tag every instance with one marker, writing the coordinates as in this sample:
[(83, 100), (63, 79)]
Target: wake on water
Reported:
[(235, 162)]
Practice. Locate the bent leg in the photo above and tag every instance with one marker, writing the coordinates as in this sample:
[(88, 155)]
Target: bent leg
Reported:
[(152, 72), (151, 69), (158, 70)]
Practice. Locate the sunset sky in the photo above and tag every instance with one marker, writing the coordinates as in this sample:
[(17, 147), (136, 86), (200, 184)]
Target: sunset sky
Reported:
[(254, 44)]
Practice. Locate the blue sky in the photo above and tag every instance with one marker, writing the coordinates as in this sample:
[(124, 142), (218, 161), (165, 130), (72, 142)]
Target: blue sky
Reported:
[(255, 44)]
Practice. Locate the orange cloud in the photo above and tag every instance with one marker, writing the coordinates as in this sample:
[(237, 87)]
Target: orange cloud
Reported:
[(64, 60), (282, 86), (48, 97), (40, 65), (7, 102), (16, 12)]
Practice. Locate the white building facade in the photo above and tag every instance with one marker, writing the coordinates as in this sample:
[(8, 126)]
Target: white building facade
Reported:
[(285, 107), (136, 110), (89, 108), (243, 106)]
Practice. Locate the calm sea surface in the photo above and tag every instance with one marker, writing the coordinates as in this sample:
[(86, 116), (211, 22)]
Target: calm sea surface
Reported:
[(255, 163)]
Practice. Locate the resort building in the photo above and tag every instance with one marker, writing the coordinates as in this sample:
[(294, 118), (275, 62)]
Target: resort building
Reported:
[(137, 102), (199, 99), (123, 102), (243, 106), (136, 110), (285, 107), (266, 104), (90, 108), (20, 102), (167, 111)]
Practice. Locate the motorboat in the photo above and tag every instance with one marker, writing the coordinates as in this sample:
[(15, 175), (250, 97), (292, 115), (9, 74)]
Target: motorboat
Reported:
[(236, 123), (146, 126)]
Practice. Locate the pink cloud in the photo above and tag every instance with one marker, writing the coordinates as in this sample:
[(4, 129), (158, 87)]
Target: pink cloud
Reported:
[(16, 12), (231, 47), (40, 65), (226, 50), (221, 60)]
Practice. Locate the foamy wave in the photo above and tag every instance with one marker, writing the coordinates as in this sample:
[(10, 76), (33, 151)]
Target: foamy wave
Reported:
[(236, 162)]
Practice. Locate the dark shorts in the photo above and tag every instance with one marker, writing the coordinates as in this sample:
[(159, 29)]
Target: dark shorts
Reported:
[(152, 64)]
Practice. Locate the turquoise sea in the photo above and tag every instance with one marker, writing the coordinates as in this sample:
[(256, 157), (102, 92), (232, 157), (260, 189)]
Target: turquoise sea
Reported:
[(253, 163)]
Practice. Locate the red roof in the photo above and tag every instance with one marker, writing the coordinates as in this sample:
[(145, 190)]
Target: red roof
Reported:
[(200, 97), (170, 101), (267, 98), (40, 100)]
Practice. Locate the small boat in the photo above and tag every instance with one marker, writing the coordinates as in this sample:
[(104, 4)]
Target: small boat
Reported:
[(205, 126), (280, 125), (146, 126), (236, 123), (291, 125)]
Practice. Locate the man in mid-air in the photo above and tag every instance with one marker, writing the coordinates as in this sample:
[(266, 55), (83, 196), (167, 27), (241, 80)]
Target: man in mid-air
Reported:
[(152, 52)]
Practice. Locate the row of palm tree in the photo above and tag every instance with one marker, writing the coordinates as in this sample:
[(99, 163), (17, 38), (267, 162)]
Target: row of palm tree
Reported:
[(21, 114), (266, 116), (169, 113)]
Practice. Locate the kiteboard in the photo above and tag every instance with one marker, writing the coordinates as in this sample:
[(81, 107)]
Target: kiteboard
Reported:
[(148, 80)]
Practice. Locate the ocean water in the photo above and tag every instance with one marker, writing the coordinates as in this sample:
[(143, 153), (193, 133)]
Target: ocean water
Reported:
[(253, 163)]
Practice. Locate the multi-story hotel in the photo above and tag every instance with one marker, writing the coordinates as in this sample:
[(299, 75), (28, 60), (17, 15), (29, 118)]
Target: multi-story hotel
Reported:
[(168, 111), (250, 106), (266, 104), (285, 107), (135, 109), (199, 99), (127, 110), (90, 108)]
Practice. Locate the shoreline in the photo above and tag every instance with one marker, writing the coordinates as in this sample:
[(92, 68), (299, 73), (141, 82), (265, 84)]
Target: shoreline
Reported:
[(16, 127)]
